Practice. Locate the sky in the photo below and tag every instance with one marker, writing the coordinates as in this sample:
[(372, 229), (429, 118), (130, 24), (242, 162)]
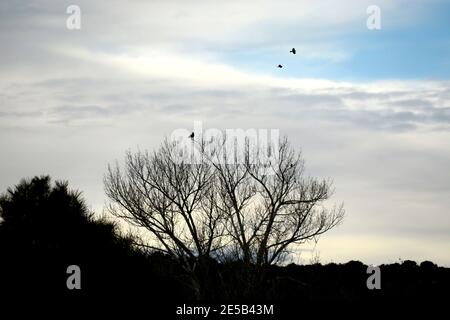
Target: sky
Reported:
[(368, 108)]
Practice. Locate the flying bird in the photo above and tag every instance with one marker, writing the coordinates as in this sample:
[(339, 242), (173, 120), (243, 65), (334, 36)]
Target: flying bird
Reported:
[(191, 136), (280, 66), (293, 51)]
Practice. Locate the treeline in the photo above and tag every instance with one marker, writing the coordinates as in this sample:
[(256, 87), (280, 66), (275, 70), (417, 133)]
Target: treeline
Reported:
[(47, 227)]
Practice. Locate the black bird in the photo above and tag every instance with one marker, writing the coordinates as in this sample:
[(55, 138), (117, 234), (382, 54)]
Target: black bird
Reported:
[(192, 136), (293, 51), (280, 66)]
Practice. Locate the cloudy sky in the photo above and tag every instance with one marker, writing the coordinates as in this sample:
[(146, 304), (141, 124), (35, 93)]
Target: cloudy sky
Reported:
[(368, 108)]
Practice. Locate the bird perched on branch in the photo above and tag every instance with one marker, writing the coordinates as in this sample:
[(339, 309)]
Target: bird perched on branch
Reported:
[(191, 136)]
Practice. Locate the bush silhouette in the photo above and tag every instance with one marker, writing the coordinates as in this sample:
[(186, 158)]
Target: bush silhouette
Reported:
[(47, 227)]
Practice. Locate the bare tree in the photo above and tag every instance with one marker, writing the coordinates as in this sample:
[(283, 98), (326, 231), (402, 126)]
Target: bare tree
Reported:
[(222, 203)]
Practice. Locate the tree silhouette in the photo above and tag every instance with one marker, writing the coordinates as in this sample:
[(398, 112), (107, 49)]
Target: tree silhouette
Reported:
[(47, 227), (209, 206)]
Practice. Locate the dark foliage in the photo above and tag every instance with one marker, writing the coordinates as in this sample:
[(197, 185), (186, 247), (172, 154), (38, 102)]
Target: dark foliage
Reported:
[(47, 227)]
